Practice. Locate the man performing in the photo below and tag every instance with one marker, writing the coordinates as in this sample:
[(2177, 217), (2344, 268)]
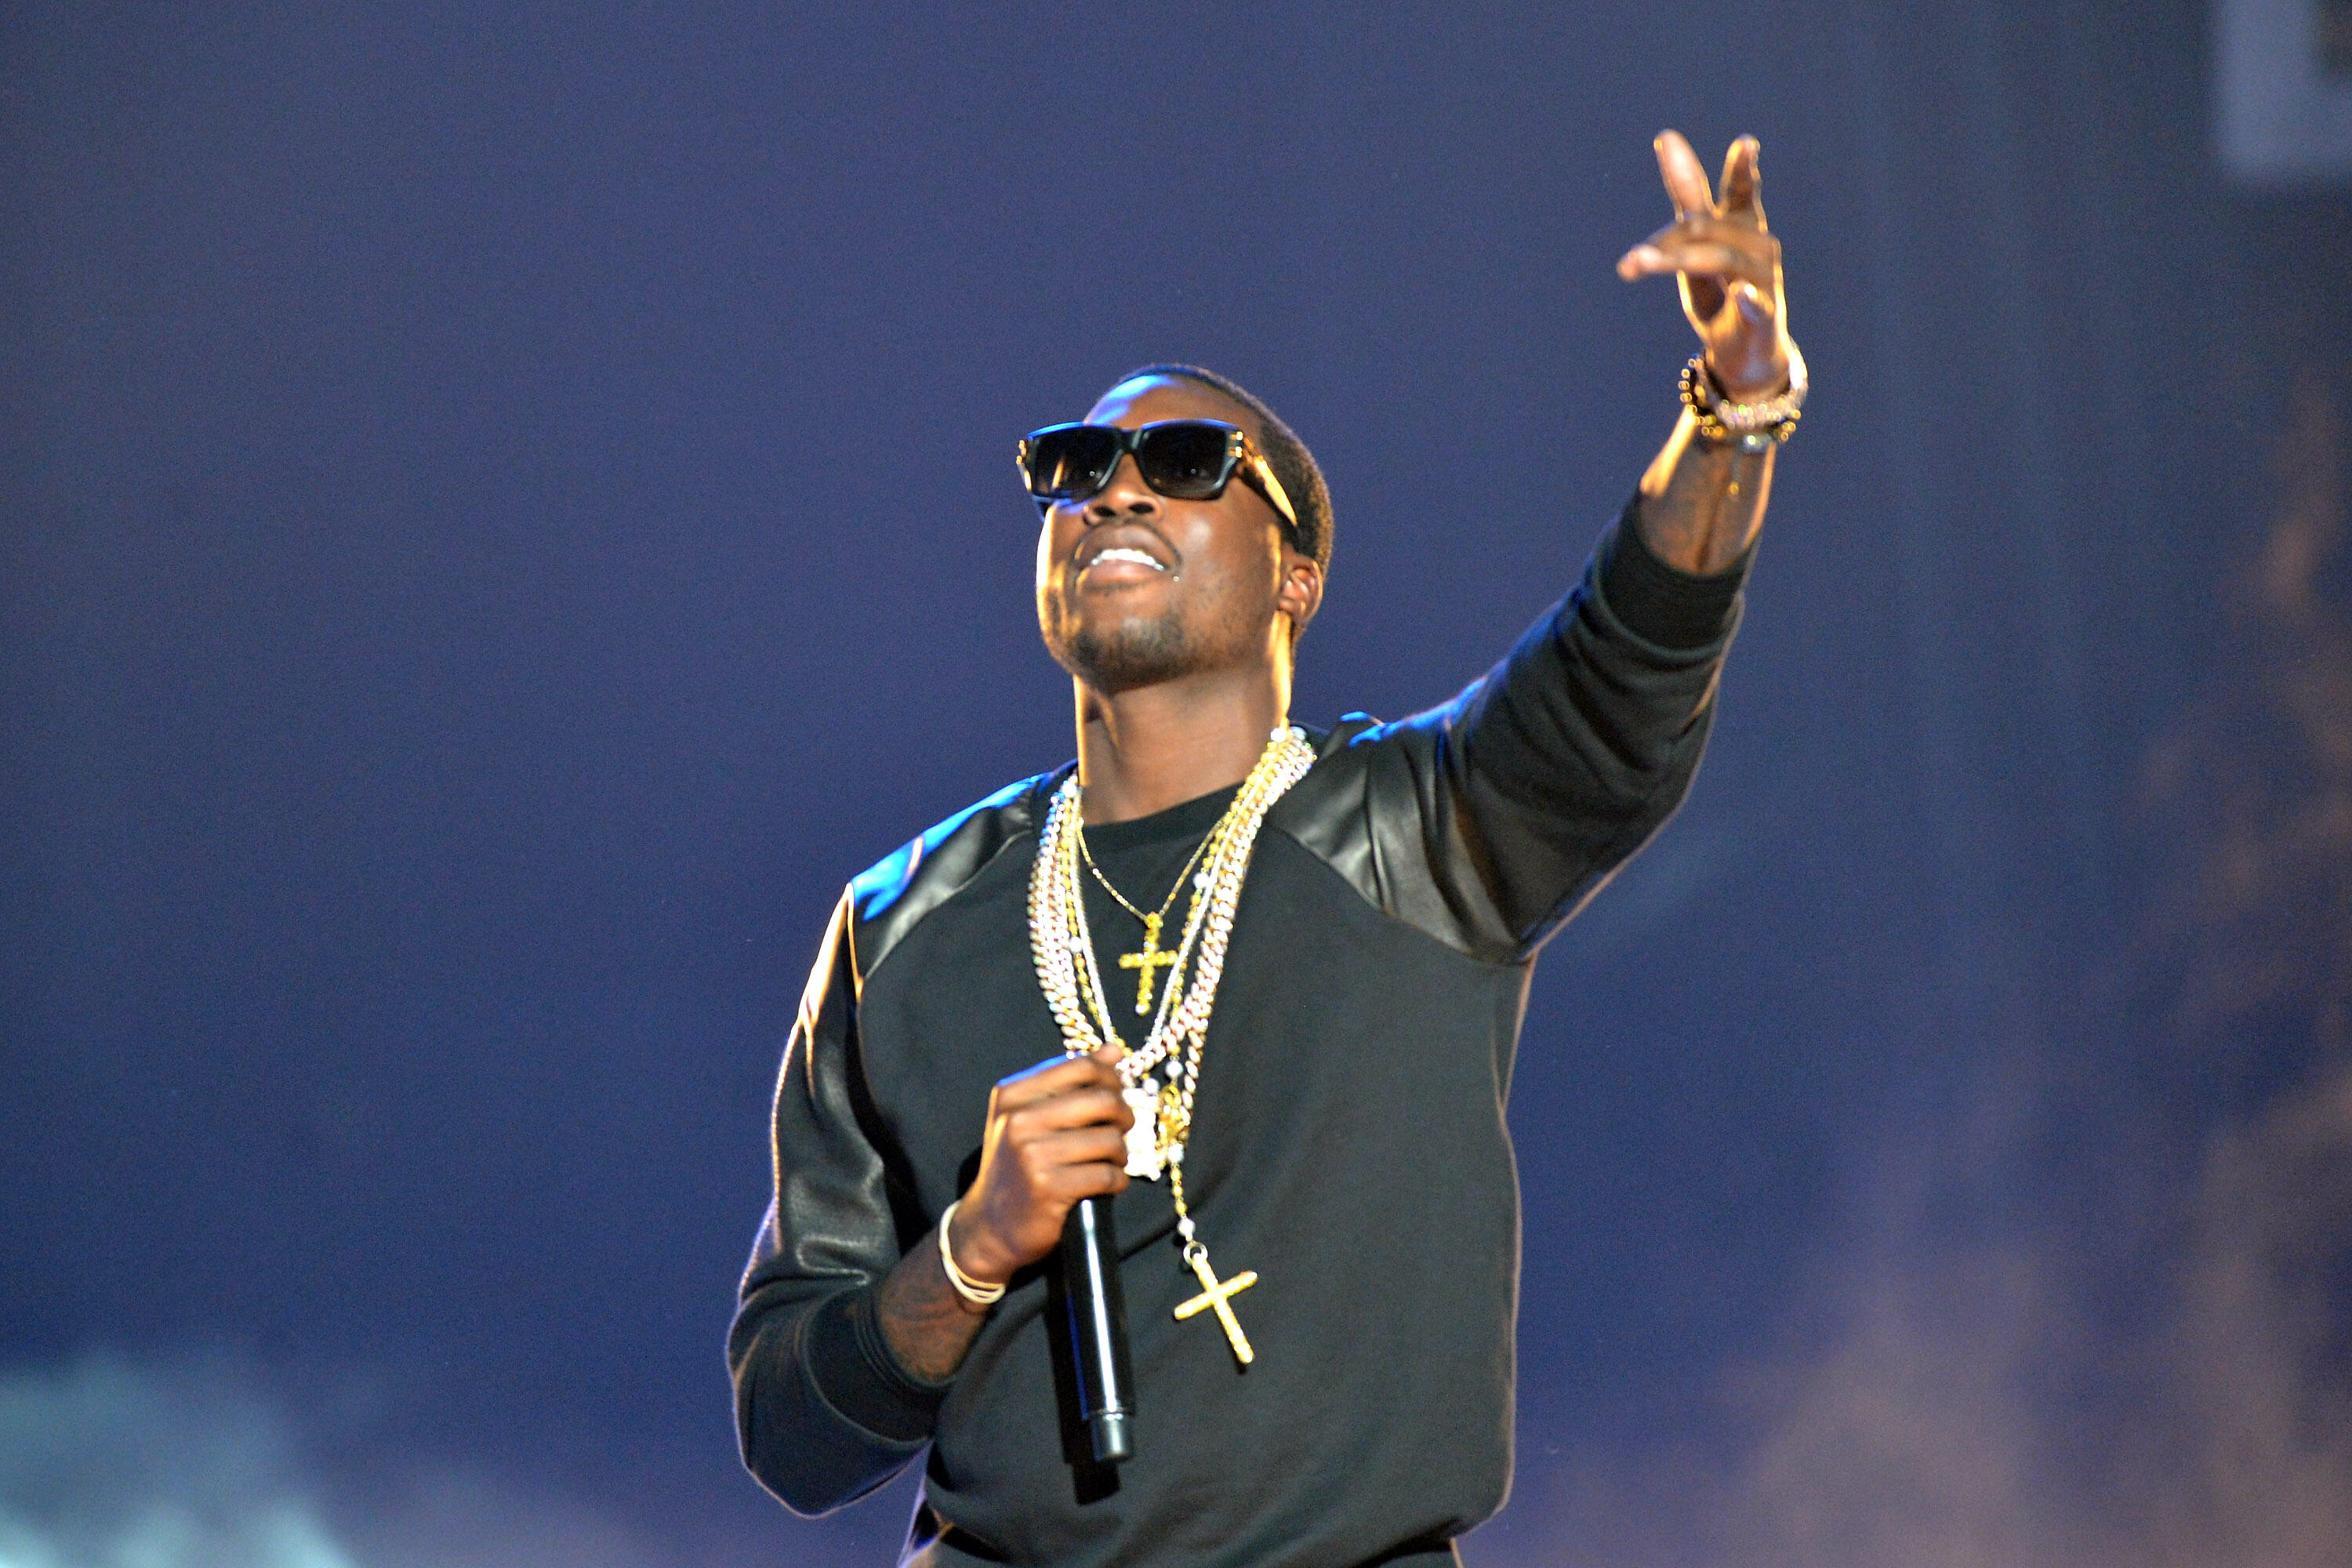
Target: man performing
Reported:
[(1276, 978)]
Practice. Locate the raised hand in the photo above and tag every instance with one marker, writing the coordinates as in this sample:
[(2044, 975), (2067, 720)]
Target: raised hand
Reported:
[(1727, 263)]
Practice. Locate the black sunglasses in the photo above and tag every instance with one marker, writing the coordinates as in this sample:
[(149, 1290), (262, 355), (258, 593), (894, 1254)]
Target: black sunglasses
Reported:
[(1185, 459)]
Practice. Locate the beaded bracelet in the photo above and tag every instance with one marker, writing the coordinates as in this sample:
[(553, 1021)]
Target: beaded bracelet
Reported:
[(1757, 426), (971, 1290)]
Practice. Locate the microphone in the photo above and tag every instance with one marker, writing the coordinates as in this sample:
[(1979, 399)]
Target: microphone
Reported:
[(1096, 1324)]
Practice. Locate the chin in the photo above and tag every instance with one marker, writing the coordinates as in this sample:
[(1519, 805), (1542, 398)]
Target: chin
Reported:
[(1134, 652)]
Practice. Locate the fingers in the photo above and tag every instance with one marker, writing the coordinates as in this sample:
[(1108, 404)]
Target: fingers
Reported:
[(1704, 244), (1742, 180), (1697, 258), (1079, 1108), (1056, 1076), (1685, 177), (1051, 1171), (1101, 1179), (1708, 259), (1063, 1157), (1722, 231)]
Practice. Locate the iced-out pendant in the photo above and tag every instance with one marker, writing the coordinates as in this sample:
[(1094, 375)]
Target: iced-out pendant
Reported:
[(1143, 1138)]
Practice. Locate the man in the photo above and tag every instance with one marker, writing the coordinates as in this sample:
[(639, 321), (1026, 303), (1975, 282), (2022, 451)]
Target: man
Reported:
[(1277, 980)]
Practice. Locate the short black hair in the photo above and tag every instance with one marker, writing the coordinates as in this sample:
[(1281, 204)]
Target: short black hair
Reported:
[(1291, 463)]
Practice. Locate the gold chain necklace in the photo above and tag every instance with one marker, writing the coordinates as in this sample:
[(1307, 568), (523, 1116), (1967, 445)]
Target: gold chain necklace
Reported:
[(1059, 940), (1152, 957)]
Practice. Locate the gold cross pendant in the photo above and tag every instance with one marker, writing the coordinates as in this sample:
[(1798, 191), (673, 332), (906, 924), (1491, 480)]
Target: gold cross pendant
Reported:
[(1214, 1294), (1144, 963)]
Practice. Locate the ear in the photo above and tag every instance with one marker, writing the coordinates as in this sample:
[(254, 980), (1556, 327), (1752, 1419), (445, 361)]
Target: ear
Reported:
[(1301, 592)]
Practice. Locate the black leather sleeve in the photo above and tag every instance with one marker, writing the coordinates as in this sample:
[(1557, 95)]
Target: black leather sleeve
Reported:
[(1488, 821), (822, 1411)]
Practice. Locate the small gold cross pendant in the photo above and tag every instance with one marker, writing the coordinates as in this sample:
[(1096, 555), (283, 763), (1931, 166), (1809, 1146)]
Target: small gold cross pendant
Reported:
[(1214, 1294), (1144, 963)]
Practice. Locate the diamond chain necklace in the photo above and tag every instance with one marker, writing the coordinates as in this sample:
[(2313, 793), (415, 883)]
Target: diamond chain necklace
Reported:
[(1063, 950)]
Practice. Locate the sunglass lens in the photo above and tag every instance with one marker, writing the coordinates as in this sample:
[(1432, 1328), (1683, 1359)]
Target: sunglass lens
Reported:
[(1071, 462), (1185, 460)]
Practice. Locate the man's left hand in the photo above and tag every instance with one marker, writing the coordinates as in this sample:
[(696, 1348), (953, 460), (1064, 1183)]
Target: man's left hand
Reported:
[(1728, 265)]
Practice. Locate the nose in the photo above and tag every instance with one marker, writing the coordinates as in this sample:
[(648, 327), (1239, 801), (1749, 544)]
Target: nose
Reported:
[(1125, 497)]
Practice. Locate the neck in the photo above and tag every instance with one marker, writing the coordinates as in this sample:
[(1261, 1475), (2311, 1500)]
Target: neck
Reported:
[(1144, 751)]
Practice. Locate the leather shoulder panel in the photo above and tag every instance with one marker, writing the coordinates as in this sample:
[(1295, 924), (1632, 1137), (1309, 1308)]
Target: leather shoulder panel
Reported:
[(1329, 810), (889, 898), (1371, 809)]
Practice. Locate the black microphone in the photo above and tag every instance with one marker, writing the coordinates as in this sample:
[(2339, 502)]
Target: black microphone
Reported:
[(1096, 1323)]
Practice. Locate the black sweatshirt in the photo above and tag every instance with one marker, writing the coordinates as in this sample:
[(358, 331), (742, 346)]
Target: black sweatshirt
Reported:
[(1348, 1144)]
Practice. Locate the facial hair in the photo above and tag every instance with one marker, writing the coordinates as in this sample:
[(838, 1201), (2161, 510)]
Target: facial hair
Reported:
[(1136, 652)]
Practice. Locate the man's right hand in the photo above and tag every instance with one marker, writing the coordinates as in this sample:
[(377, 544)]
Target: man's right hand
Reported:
[(1056, 1133)]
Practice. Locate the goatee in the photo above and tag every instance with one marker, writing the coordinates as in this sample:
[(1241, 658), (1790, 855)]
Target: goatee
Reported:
[(1136, 652)]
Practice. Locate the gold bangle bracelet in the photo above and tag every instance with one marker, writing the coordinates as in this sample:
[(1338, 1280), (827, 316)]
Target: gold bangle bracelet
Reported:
[(971, 1290)]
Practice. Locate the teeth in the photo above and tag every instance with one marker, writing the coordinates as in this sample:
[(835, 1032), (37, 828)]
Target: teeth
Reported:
[(1119, 553)]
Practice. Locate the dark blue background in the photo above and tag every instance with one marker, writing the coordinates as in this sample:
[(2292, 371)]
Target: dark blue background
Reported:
[(508, 506)]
